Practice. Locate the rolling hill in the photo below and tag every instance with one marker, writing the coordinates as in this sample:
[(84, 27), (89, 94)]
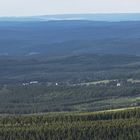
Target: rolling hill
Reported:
[(64, 37)]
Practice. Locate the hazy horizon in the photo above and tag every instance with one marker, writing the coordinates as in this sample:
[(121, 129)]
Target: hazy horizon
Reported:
[(59, 14), (53, 7)]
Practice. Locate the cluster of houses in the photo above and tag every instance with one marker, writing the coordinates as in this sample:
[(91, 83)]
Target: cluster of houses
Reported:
[(118, 84), (34, 82), (30, 83), (114, 82)]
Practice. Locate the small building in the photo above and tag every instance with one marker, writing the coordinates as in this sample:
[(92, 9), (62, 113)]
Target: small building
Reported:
[(118, 84), (25, 84), (34, 82)]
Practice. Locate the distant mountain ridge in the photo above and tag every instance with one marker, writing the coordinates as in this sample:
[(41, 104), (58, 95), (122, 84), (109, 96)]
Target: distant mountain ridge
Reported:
[(92, 17), (51, 38)]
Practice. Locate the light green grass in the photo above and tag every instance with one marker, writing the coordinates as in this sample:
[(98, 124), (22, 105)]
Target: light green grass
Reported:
[(109, 103), (133, 81)]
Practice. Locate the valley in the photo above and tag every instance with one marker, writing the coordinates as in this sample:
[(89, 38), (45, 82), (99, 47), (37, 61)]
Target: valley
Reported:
[(70, 79)]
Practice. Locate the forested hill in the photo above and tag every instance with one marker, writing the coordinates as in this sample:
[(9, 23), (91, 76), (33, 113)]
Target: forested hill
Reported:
[(68, 37)]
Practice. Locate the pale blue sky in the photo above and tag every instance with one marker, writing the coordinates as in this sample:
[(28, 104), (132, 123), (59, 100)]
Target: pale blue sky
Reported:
[(45, 7)]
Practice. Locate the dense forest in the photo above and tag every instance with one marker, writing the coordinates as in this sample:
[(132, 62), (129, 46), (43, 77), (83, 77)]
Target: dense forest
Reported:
[(77, 68), (85, 82), (20, 99), (108, 125)]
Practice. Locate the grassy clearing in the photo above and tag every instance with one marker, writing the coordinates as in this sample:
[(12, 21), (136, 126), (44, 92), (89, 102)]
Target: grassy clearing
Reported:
[(109, 103), (133, 81)]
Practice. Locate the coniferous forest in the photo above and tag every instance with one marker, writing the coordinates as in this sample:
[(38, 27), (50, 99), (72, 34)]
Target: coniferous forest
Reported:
[(105, 125)]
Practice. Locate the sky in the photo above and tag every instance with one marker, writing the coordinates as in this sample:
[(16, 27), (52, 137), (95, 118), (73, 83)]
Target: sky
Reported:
[(49, 7)]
